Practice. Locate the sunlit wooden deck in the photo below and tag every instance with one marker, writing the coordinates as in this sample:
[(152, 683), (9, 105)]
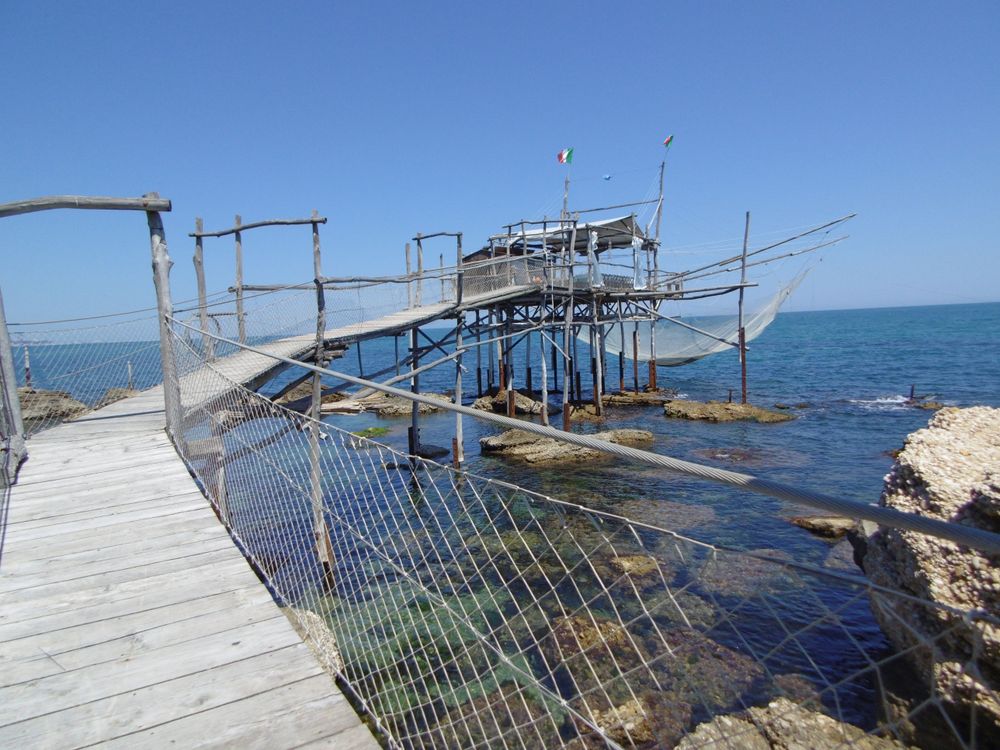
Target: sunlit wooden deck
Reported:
[(127, 616)]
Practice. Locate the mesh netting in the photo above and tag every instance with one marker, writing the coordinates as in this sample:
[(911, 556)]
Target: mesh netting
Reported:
[(462, 611)]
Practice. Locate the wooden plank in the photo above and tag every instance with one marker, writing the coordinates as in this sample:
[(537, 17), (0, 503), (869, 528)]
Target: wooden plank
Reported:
[(292, 712), (134, 625), (41, 657), (20, 615), (102, 720), (38, 573), (67, 689)]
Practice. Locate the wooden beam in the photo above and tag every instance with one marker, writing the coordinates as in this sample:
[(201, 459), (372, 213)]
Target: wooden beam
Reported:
[(257, 224), (50, 202)]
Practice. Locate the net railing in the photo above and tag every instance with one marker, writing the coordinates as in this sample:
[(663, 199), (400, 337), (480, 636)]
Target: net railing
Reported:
[(66, 369), (463, 611)]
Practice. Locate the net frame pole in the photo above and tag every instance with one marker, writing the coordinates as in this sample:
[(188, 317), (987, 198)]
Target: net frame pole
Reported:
[(742, 330)]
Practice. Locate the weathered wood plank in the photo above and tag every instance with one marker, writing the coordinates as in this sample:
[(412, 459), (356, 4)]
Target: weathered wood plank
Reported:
[(299, 713)]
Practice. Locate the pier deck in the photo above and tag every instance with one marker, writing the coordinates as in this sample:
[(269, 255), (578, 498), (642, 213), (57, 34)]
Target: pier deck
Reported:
[(128, 616)]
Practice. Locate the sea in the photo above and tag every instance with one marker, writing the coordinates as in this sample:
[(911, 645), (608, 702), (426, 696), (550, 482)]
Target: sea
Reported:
[(846, 374)]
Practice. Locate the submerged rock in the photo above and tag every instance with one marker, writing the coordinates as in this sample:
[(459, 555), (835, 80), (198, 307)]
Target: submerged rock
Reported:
[(398, 406), (721, 411), (828, 527), (782, 725), (950, 471), (38, 405), (536, 449), (524, 403), (643, 398)]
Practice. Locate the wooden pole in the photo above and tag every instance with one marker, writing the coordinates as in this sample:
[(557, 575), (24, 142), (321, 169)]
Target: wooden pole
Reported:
[(414, 433), (509, 335), (621, 354), (12, 429), (131, 379), (409, 283), (165, 309), (743, 334), (420, 268), (240, 320), (324, 551), (545, 381), (527, 362), (635, 357), (27, 367), (568, 327), (441, 276), (479, 358), (459, 271), (208, 343), (489, 353), (458, 448)]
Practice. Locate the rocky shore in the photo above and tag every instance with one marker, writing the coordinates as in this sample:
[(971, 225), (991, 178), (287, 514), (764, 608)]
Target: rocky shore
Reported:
[(950, 471)]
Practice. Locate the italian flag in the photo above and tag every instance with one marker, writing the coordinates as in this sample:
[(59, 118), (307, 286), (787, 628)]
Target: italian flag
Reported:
[(565, 156), (668, 141)]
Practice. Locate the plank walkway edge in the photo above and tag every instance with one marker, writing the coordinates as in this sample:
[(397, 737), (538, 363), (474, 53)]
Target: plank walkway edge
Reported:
[(106, 640)]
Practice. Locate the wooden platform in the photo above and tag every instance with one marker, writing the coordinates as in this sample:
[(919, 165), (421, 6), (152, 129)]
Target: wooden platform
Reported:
[(129, 619)]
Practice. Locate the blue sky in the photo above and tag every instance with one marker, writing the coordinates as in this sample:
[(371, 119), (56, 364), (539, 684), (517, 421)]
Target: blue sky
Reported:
[(392, 120)]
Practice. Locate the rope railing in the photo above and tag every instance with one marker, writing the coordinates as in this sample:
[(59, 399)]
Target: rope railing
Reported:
[(464, 611)]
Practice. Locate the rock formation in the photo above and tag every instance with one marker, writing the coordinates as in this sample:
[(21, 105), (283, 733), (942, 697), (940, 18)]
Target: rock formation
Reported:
[(721, 411), (38, 405), (949, 470), (536, 449)]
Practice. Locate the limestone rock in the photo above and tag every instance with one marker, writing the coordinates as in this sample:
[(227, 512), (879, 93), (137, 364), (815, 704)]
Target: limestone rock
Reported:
[(949, 470), (643, 398), (720, 411), (398, 406), (38, 405), (782, 725), (828, 527), (536, 449), (524, 403)]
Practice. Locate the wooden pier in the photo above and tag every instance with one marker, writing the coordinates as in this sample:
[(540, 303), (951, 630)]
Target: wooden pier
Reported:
[(129, 617)]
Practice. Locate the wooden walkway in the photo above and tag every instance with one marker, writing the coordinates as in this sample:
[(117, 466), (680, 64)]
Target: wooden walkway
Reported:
[(129, 619), (253, 369)]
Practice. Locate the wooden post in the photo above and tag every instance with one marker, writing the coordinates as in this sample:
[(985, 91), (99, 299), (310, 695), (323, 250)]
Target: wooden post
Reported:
[(479, 358), (164, 310), (324, 550), (240, 320), (489, 353), (545, 382), (743, 334), (621, 354), (459, 272), (511, 394), (635, 357), (207, 343), (458, 449), (27, 366), (420, 268), (568, 327), (555, 361), (395, 345), (409, 282), (131, 379), (414, 433), (527, 362), (12, 429), (441, 276)]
